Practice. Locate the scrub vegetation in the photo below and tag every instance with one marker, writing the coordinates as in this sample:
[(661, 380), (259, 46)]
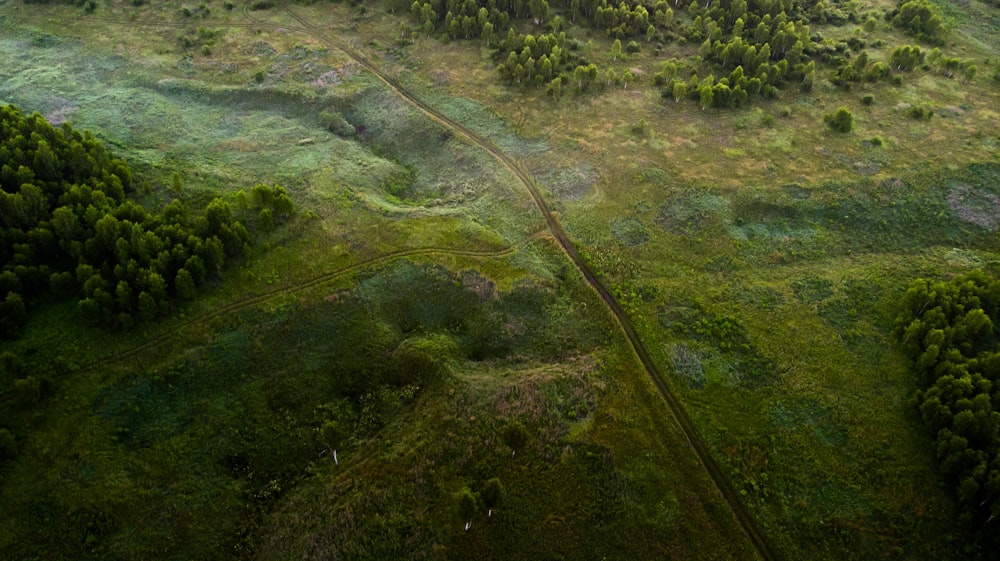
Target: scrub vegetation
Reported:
[(499, 279)]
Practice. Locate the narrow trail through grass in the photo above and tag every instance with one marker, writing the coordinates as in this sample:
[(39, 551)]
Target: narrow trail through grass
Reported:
[(657, 376), (292, 288)]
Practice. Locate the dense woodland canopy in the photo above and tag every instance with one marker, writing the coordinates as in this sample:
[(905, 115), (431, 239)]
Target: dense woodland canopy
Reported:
[(949, 330), (68, 229), (748, 49)]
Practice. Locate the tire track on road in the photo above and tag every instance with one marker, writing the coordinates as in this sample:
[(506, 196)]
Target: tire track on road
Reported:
[(294, 288)]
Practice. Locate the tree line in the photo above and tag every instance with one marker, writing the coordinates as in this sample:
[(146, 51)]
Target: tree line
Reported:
[(949, 331), (69, 230), (749, 48)]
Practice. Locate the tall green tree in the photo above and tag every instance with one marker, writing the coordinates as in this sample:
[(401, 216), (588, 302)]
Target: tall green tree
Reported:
[(515, 436), (466, 502)]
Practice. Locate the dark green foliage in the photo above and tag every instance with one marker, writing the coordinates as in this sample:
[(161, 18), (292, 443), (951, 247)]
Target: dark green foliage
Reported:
[(272, 199), (906, 57), (333, 434), (725, 335), (88, 5), (67, 227), (13, 314), (244, 416), (768, 43), (921, 19), (841, 120), (948, 329), (336, 123), (950, 66), (8, 447), (465, 501), (534, 61), (492, 493), (867, 99), (812, 290), (922, 112), (515, 436)]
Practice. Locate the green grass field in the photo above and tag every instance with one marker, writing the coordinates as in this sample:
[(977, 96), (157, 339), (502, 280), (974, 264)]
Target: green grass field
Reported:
[(419, 297)]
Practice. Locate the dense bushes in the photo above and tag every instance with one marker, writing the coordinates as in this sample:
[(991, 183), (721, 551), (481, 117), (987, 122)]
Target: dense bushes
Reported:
[(840, 120), (920, 19), (67, 229), (949, 331)]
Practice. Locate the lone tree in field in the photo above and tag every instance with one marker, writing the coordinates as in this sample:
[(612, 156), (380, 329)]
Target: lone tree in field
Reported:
[(515, 436), (616, 50), (333, 434), (840, 120), (492, 495), (466, 506)]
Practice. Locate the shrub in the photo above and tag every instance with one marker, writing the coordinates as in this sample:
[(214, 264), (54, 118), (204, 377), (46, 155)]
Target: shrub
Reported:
[(337, 124), (868, 99), (841, 120), (921, 112)]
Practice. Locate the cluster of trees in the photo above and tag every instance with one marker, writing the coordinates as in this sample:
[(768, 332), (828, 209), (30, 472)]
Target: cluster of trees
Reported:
[(859, 70), (491, 496), (759, 45), (910, 57), (272, 203), (528, 60), (907, 57), (630, 21), (949, 66), (67, 228), (948, 329), (749, 48), (461, 19), (920, 19)]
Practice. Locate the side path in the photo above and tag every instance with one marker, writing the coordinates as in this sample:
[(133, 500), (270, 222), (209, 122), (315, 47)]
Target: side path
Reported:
[(659, 380), (300, 286), (296, 287)]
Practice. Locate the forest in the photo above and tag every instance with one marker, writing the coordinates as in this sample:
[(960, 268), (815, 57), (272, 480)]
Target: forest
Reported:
[(69, 230), (947, 329)]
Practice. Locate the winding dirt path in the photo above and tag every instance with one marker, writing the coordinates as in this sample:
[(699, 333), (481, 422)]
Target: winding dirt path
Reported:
[(691, 432), (656, 375)]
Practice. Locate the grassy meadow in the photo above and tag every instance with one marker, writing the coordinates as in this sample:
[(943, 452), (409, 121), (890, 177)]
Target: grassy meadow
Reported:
[(418, 299)]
